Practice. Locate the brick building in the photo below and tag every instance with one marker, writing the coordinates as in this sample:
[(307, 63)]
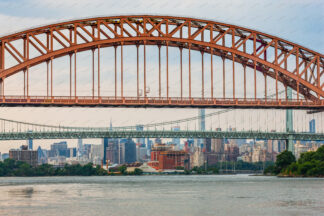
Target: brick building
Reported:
[(25, 155)]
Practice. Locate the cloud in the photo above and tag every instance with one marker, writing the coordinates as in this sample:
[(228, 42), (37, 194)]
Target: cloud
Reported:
[(12, 24)]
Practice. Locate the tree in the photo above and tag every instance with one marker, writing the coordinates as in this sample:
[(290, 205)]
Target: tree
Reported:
[(284, 159), (269, 170), (319, 155), (306, 157), (138, 171), (122, 169)]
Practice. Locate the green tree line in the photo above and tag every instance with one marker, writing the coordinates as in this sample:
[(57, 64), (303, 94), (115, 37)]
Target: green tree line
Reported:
[(10, 167), (241, 165), (310, 164)]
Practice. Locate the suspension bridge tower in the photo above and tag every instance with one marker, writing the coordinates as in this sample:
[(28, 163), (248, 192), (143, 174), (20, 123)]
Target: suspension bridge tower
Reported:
[(289, 123)]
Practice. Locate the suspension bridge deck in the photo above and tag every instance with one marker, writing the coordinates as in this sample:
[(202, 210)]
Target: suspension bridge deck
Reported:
[(76, 134)]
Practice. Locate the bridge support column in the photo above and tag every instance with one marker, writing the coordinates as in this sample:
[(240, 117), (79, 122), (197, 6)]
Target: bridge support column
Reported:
[(1, 90), (2, 56), (289, 124)]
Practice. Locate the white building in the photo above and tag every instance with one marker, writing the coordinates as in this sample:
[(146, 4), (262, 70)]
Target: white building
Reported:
[(197, 158), (96, 154)]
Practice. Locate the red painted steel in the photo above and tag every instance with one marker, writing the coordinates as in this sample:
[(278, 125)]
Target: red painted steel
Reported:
[(226, 41), (159, 102)]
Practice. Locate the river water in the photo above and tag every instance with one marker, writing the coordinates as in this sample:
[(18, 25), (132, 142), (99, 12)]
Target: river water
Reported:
[(161, 195)]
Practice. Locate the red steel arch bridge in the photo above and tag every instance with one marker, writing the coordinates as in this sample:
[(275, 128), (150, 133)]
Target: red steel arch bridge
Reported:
[(223, 52)]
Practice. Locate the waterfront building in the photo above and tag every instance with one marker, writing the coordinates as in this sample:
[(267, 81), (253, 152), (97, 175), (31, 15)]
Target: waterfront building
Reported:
[(166, 157), (173, 159), (25, 155)]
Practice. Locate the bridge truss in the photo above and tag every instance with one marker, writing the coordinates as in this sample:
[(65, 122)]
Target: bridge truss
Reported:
[(287, 64)]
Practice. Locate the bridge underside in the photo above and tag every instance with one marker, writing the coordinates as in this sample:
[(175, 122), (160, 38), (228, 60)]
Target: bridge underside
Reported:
[(162, 134), (171, 102)]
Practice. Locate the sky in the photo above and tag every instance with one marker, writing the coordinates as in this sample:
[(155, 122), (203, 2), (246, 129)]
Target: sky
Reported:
[(298, 21)]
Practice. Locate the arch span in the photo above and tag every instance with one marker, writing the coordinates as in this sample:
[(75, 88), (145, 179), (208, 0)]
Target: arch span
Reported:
[(292, 65)]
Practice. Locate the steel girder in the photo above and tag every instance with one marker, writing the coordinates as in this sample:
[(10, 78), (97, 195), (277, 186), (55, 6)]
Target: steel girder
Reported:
[(161, 134)]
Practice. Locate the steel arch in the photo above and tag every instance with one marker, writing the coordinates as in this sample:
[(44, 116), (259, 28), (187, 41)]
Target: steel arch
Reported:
[(265, 53)]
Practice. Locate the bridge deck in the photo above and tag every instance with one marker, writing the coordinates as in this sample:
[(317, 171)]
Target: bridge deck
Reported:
[(163, 134), (159, 102)]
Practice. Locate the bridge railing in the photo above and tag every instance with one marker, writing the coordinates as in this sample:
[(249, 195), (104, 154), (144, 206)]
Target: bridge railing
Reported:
[(156, 100)]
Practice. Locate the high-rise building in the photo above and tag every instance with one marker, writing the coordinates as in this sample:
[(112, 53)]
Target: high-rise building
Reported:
[(158, 141), (80, 147), (201, 119), (217, 145), (115, 152), (72, 152), (201, 125), (176, 140), (140, 140), (96, 154), (30, 144), (25, 155), (149, 145), (312, 128), (231, 151), (42, 157), (59, 149), (208, 145), (129, 150), (86, 150), (270, 146), (105, 146)]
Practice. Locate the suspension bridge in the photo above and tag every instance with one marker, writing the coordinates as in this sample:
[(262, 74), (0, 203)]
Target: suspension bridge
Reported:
[(18, 130)]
